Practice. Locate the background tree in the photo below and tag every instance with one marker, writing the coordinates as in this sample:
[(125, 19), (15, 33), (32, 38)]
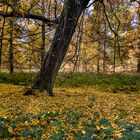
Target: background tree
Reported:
[(101, 36)]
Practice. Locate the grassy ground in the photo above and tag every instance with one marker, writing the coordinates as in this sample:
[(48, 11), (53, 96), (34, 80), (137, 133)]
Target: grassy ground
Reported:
[(85, 107), (106, 82)]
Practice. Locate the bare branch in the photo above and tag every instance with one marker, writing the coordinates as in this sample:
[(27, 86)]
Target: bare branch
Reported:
[(92, 3), (18, 14), (29, 16), (138, 2)]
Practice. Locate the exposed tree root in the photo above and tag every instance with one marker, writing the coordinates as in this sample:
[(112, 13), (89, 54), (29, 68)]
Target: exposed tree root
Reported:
[(29, 91)]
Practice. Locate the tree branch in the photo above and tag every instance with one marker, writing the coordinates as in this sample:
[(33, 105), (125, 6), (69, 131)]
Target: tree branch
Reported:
[(92, 3), (16, 13), (29, 16)]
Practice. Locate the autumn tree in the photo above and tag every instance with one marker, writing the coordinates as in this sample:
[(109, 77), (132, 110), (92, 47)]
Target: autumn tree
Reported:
[(63, 16), (67, 22)]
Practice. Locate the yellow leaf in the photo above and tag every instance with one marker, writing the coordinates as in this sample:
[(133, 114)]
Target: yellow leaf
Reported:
[(98, 128), (102, 127), (137, 131), (35, 122), (10, 129)]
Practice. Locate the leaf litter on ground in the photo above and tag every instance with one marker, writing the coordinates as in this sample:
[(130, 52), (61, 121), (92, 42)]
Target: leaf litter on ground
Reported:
[(74, 113)]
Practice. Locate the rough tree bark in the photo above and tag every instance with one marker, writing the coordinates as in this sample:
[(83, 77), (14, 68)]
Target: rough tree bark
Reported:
[(64, 32)]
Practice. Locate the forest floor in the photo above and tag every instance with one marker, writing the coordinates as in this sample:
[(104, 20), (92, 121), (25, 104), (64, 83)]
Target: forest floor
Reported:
[(82, 113)]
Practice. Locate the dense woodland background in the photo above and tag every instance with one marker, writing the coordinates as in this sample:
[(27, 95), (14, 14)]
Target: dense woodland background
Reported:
[(97, 90), (106, 38)]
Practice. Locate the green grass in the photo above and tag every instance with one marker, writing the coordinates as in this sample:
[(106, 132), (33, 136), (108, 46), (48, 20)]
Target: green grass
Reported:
[(108, 82), (24, 79)]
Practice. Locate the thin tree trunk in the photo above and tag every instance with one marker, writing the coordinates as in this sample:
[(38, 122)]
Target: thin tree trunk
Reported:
[(43, 44), (138, 55), (64, 32), (98, 66), (43, 37), (114, 57), (98, 58), (1, 41), (104, 47), (11, 65), (104, 57), (138, 65)]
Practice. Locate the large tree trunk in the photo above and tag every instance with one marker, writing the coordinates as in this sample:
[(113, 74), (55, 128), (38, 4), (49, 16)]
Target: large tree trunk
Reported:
[(64, 32)]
